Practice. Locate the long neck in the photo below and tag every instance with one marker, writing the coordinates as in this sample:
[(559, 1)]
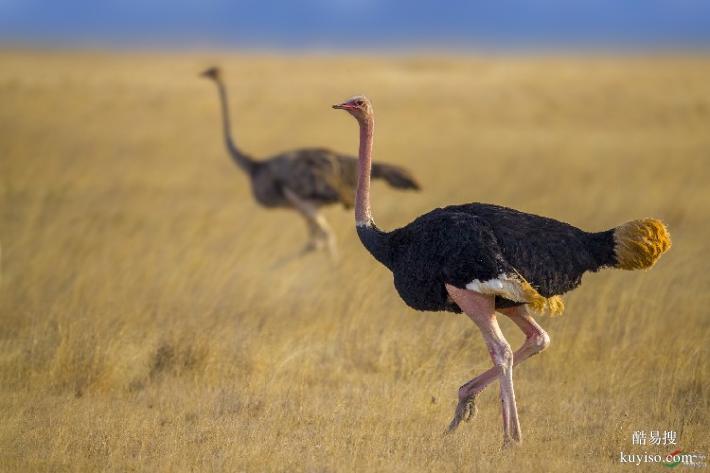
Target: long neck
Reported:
[(241, 159), (375, 240), (363, 212)]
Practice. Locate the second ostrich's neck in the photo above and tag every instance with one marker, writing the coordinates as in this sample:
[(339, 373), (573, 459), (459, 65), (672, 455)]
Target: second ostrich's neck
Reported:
[(241, 159), (363, 211), (375, 240)]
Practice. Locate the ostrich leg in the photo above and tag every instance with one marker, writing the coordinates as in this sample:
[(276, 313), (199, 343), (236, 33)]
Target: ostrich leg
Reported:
[(316, 240), (481, 309), (319, 231), (536, 340)]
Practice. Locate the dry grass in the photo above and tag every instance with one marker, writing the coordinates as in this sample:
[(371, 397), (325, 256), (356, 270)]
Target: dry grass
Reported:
[(150, 319)]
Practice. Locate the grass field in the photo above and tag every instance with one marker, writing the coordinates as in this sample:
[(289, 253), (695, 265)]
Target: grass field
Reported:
[(152, 318)]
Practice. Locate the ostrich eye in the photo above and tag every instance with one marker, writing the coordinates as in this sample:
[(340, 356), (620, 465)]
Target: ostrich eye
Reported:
[(359, 103)]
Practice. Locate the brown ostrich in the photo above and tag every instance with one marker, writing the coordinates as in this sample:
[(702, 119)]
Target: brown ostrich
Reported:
[(304, 179), (482, 258)]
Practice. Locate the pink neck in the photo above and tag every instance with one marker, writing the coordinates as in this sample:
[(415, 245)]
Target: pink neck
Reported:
[(363, 214)]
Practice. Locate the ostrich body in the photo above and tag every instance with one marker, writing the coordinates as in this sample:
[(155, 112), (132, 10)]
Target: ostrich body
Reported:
[(304, 179), (481, 258)]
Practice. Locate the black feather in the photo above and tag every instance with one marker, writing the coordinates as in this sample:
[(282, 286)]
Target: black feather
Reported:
[(461, 243)]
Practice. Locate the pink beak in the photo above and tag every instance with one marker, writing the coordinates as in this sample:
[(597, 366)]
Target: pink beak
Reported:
[(344, 106)]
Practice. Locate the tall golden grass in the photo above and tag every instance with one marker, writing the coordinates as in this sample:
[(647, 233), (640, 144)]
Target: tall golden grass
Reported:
[(152, 317)]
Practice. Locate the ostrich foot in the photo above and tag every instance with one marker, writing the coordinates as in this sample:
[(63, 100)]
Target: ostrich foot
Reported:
[(509, 442), (332, 249), (465, 411), (322, 242), (314, 244)]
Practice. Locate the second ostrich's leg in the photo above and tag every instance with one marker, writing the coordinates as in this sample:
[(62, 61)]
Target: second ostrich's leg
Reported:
[(536, 340), (481, 309), (327, 234), (315, 238), (319, 231)]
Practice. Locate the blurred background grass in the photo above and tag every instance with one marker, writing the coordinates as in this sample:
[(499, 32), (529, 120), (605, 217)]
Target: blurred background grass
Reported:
[(152, 319)]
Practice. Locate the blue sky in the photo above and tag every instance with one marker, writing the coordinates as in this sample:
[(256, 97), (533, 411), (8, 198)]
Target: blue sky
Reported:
[(336, 24)]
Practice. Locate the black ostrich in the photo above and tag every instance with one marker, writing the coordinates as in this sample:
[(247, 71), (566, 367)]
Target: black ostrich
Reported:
[(482, 258), (304, 179)]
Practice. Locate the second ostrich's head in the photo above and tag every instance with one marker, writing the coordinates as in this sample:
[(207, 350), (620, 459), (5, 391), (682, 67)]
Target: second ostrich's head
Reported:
[(214, 73), (359, 107)]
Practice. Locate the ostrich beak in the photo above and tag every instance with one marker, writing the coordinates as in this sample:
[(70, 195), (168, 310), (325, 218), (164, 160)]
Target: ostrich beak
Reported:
[(343, 106)]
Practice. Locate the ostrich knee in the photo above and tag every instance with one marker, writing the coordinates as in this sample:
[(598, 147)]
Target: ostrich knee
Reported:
[(538, 342)]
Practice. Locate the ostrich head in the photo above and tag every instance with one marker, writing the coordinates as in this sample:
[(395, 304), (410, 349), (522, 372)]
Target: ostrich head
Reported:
[(214, 73), (359, 107)]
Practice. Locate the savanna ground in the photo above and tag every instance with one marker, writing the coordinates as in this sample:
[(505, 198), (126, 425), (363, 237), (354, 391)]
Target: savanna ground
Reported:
[(152, 318)]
